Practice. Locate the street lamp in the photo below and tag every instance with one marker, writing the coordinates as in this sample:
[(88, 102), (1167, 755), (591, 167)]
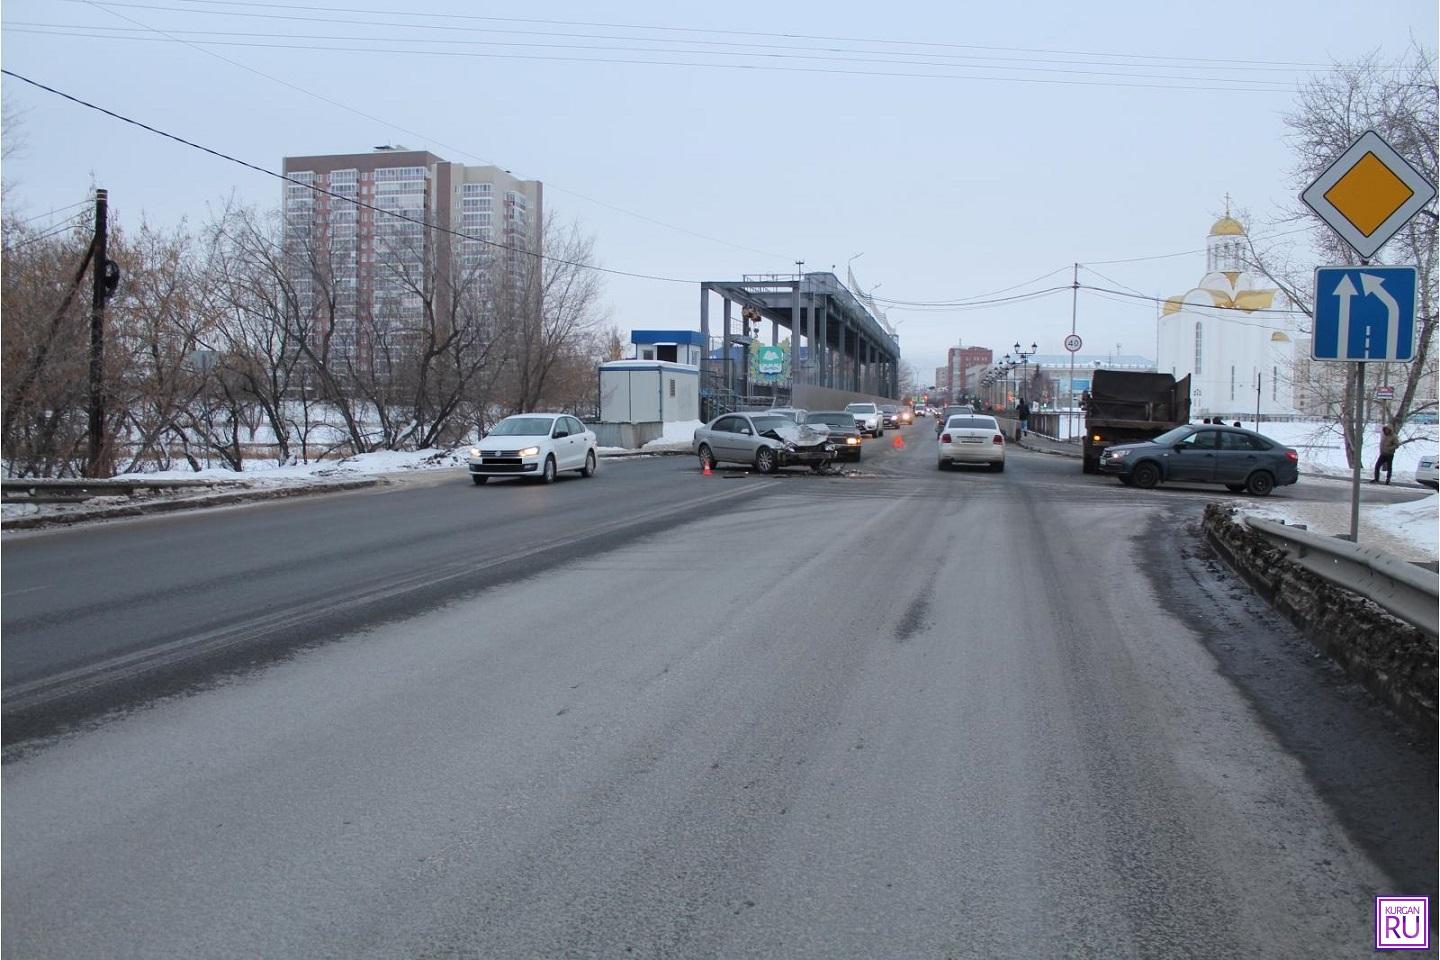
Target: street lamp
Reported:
[(1024, 356)]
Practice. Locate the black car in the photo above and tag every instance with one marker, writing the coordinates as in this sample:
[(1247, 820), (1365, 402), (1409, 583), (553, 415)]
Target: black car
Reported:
[(1240, 459), (844, 432), (890, 415)]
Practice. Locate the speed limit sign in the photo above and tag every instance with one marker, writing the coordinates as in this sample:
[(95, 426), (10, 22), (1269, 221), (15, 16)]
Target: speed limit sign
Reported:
[(1073, 343)]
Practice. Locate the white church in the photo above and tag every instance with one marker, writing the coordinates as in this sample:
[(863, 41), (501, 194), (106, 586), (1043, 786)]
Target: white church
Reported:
[(1230, 332)]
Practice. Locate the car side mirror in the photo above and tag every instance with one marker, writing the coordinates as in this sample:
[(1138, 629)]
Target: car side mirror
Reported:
[(560, 434), (745, 431)]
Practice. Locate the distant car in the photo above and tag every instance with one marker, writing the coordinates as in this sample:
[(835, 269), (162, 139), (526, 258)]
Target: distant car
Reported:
[(890, 416), (1240, 459), (907, 415), (948, 412), (766, 441), (971, 438), (534, 445), (1425, 473), (844, 432), (868, 416)]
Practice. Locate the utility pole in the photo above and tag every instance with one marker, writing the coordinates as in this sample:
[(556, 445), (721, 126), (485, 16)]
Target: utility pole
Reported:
[(1074, 307), (96, 455)]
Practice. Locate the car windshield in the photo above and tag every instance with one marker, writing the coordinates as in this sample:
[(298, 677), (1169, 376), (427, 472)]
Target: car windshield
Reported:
[(1174, 436), (770, 421), (523, 427), (832, 419), (861, 407), (971, 423), (889, 409)]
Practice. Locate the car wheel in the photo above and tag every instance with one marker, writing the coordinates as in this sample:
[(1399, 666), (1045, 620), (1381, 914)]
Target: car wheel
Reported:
[(1234, 487), (548, 476), (589, 469), (478, 479), (1145, 475), (707, 459), (1260, 483), (765, 460), (1127, 481), (943, 465), (998, 467)]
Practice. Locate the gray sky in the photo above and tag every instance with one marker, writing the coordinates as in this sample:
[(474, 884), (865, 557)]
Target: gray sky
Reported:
[(963, 148)]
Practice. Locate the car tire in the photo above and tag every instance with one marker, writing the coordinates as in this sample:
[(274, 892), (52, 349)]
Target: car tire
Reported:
[(479, 480), (765, 460), (1235, 487), (707, 458), (943, 465), (547, 474), (589, 469), (998, 467), (1145, 475), (1260, 483), (1127, 481)]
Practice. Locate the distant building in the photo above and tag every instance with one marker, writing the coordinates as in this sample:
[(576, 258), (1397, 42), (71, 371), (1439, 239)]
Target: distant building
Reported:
[(942, 380), (373, 254), (1229, 332), (961, 362)]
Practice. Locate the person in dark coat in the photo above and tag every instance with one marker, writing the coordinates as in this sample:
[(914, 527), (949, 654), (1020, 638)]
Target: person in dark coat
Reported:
[(1022, 413), (1389, 443)]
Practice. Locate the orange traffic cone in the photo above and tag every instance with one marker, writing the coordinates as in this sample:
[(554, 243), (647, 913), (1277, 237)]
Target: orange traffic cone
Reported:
[(898, 443), (706, 471)]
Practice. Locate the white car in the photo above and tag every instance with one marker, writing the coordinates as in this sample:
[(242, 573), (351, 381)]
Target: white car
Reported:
[(534, 445), (1425, 473), (972, 438), (867, 417)]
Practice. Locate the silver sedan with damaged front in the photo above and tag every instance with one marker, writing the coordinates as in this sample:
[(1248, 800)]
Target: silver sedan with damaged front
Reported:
[(764, 441)]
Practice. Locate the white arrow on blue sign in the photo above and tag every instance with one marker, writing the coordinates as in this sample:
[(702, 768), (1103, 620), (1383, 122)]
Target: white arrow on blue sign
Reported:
[(1364, 314)]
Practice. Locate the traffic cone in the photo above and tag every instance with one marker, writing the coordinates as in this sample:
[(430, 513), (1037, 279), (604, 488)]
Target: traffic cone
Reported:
[(898, 443), (706, 471)]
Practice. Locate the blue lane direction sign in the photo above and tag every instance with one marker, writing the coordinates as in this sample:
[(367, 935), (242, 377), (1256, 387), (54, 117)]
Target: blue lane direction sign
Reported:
[(1364, 314)]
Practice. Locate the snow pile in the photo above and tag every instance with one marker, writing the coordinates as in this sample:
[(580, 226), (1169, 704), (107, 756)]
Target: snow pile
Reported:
[(678, 435), (264, 472), (1409, 530)]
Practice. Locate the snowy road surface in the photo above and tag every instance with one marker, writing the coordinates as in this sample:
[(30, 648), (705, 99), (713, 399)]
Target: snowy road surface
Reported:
[(911, 714)]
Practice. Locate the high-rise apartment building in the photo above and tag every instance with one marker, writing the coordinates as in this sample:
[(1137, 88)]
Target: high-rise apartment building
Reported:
[(379, 252)]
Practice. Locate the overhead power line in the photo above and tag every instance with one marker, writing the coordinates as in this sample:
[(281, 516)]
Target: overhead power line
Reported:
[(337, 196)]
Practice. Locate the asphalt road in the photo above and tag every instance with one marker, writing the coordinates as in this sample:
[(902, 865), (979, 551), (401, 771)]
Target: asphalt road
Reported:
[(899, 714)]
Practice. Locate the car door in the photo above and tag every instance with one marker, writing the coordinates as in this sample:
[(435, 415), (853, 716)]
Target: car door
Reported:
[(1239, 455), (579, 441), (718, 438), (745, 438), (1194, 457), (563, 445)]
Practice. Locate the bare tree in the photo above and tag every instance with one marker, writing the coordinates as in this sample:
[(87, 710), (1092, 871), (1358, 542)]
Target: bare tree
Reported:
[(548, 307)]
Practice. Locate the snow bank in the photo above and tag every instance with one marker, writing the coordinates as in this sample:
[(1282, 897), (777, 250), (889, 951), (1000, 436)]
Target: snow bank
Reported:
[(677, 435)]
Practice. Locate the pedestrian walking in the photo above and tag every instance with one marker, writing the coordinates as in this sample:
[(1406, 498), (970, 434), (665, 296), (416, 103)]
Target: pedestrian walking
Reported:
[(1022, 413), (1389, 443)]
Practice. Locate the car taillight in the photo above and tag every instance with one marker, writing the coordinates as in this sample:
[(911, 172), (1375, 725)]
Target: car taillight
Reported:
[(944, 438), (1292, 456), (998, 439)]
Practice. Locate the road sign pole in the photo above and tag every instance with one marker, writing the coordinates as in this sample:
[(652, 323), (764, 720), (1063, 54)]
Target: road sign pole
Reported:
[(1074, 306), (1359, 452)]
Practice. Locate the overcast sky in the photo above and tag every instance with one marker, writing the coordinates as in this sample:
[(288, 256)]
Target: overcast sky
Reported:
[(959, 148)]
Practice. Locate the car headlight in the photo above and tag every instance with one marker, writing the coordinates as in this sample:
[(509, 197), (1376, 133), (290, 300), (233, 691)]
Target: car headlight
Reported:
[(1117, 454), (475, 451), (789, 445), (852, 441), (530, 452)]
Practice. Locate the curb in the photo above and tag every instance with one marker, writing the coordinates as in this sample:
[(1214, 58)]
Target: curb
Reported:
[(636, 454), (143, 508)]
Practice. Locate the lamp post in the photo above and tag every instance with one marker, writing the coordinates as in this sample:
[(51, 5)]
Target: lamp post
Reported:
[(1024, 356)]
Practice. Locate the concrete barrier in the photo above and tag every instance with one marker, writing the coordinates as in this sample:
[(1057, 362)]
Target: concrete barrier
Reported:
[(631, 436)]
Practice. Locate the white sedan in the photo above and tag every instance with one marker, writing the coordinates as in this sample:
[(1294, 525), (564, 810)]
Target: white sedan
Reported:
[(972, 438), (1425, 473), (535, 445)]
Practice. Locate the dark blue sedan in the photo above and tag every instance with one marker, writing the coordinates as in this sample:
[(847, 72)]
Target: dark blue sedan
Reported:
[(1240, 459)]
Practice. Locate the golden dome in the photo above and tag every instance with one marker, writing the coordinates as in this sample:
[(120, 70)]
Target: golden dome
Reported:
[(1173, 305), (1226, 227), (1255, 300)]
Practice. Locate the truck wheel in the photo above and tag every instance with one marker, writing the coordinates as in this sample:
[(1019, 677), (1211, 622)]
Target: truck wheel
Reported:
[(1090, 465), (1260, 483), (765, 460), (1145, 475)]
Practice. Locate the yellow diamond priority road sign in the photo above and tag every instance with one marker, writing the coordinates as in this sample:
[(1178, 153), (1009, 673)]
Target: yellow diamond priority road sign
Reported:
[(1368, 194)]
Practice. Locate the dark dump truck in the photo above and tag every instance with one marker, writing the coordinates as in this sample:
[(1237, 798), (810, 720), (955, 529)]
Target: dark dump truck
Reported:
[(1122, 406)]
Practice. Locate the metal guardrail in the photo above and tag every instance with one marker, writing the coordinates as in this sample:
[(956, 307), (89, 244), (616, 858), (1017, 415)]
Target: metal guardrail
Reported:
[(1407, 591), (52, 490)]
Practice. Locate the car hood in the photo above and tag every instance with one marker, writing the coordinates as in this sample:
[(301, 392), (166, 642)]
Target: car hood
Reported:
[(517, 442), (802, 435), (1135, 445)]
